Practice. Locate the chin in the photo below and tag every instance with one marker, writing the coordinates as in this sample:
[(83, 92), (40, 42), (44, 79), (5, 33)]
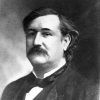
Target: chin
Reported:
[(38, 60)]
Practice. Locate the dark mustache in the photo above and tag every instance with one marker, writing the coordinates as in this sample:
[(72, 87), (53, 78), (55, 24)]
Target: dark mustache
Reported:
[(37, 50)]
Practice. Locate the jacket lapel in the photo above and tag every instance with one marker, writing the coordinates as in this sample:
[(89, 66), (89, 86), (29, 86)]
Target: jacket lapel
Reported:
[(27, 84)]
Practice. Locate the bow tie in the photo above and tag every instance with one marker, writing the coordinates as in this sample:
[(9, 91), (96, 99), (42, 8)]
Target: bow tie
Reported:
[(50, 79), (33, 81)]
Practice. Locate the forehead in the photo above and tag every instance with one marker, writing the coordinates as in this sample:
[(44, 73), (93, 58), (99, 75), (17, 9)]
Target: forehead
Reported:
[(48, 21)]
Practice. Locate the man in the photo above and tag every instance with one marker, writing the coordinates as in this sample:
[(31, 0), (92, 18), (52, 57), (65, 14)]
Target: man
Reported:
[(50, 41)]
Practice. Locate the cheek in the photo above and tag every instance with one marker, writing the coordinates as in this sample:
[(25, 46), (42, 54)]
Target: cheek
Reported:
[(28, 44), (30, 40), (54, 45)]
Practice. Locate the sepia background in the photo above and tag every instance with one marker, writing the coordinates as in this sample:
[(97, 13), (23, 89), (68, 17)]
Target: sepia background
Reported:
[(84, 13)]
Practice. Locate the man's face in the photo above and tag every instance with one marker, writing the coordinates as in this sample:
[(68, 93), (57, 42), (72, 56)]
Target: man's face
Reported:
[(44, 41)]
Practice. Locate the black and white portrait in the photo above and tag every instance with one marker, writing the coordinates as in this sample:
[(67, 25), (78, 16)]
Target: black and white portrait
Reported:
[(49, 50)]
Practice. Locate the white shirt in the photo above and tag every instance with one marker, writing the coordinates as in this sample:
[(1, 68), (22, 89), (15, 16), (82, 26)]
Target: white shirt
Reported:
[(33, 93)]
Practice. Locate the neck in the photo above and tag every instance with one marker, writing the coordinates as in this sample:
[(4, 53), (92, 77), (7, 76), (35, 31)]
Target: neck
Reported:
[(41, 73)]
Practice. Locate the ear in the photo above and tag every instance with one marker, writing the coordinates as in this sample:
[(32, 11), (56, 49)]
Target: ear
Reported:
[(66, 41)]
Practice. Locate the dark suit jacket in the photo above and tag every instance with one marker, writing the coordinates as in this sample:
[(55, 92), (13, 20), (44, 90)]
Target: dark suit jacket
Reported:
[(68, 86)]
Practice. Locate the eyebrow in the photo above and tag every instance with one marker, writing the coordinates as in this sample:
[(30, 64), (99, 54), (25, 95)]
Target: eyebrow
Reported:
[(43, 29), (31, 29)]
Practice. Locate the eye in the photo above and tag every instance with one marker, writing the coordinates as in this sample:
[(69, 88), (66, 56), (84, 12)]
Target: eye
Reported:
[(31, 32), (46, 33)]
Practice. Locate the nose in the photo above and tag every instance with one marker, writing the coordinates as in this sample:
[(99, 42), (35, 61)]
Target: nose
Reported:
[(38, 39)]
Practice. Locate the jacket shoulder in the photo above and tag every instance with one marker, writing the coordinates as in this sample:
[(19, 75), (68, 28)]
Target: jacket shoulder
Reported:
[(78, 87), (12, 88)]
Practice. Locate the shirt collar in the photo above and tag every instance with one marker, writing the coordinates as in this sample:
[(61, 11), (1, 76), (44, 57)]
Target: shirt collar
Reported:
[(60, 65)]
